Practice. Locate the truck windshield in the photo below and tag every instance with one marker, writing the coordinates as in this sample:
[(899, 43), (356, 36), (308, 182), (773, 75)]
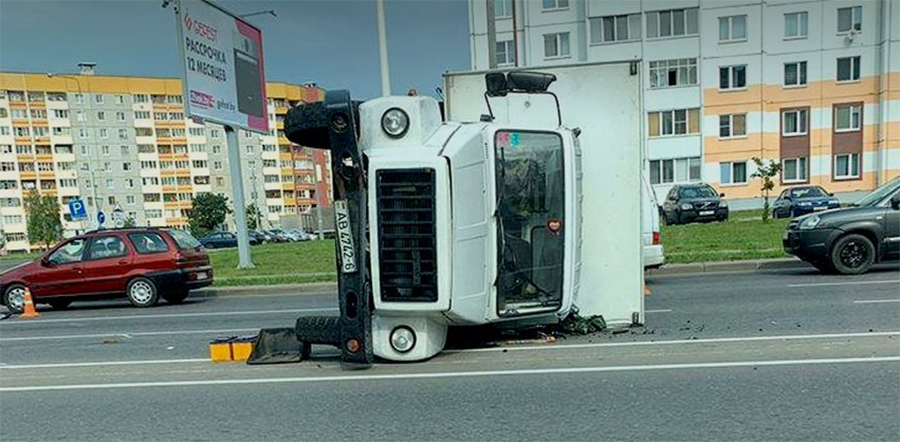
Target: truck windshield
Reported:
[(531, 221)]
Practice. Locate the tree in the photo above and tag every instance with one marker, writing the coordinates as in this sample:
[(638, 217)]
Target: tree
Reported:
[(253, 215), (766, 171), (207, 213), (44, 224)]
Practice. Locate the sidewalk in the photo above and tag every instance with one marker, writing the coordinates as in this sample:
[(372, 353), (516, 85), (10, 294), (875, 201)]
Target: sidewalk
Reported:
[(319, 288)]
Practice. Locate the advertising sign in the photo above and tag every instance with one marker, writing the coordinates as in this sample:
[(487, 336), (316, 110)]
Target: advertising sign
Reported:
[(222, 55)]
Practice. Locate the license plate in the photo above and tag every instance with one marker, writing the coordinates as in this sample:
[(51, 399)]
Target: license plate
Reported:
[(202, 275), (784, 236), (345, 237), (820, 208), (707, 212)]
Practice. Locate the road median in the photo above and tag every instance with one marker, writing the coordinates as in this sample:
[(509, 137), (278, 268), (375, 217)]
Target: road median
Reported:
[(749, 265)]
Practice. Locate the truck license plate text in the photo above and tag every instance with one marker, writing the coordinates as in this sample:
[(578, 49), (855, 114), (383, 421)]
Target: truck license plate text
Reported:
[(345, 237)]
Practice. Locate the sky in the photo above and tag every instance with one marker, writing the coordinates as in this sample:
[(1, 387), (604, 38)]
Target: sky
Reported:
[(331, 43)]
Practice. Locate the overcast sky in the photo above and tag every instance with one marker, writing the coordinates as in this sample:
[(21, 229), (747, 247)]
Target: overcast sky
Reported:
[(333, 43)]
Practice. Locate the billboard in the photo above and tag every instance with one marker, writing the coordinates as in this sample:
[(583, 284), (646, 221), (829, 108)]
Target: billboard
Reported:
[(222, 57)]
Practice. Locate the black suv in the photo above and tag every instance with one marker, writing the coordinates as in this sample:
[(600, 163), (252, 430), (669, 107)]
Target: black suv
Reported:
[(687, 203), (850, 240)]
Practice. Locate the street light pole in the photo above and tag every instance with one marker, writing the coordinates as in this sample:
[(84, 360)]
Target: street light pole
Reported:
[(382, 50)]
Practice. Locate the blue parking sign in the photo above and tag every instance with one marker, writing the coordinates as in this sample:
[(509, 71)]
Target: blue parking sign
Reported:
[(77, 209), (101, 218)]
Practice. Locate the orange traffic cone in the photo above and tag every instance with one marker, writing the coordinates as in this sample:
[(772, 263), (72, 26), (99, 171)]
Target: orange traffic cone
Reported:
[(29, 312), (647, 291)]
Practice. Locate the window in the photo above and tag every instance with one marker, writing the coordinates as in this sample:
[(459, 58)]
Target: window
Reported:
[(615, 28), (794, 122), (106, 247), (556, 45), (60, 113), (126, 166), (143, 132), (672, 23), (849, 19), (39, 132), (150, 181), (153, 213), (196, 131), (176, 116), (847, 118), (733, 28), (795, 73), (120, 117), (732, 77), (848, 68), (505, 53), (214, 133), (142, 115), (146, 148), (140, 98), (148, 165), (71, 252), (174, 99), (120, 99), (200, 164), (796, 25), (129, 183), (217, 165), (674, 122), (554, 4), (68, 182), (98, 99), (104, 133), (123, 134), (733, 173), (151, 198), (217, 150), (846, 166), (732, 125), (79, 98), (110, 183), (101, 116), (220, 181), (38, 114), (82, 133), (502, 8), (793, 170), (672, 73), (21, 131), (148, 242), (4, 130), (678, 170)]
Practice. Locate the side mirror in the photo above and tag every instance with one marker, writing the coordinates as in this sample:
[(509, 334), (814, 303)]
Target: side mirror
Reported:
[(45, 262), (830, 193), (895, 201), (722, 195)]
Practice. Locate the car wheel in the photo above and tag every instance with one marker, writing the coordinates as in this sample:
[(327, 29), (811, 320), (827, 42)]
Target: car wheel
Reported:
[(14, 298), (852, 254), (776, 214), (176, 297), (59, 305), (141, 292)]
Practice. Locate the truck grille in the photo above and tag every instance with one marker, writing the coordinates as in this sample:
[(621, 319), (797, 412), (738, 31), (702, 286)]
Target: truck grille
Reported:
[(406, 235)]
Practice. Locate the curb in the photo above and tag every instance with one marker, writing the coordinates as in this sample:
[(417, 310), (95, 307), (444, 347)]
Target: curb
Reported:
[(752, 265), (316, 288)]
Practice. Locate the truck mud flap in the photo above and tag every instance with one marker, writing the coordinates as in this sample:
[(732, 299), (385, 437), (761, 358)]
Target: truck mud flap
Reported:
[(278, 346)]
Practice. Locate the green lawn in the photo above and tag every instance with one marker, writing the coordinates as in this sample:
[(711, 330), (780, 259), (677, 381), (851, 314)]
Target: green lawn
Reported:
[(287, 263), (743, 236)]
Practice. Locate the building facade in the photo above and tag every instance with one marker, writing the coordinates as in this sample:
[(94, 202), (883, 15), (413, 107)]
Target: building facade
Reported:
[(812, 84), (125, 142)]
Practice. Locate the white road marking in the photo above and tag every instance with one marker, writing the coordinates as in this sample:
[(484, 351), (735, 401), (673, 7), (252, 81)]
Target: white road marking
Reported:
[(131, 335), (663, 310), (875, 301), (173, 315), (675, 342), (826, 284), (464, 374)]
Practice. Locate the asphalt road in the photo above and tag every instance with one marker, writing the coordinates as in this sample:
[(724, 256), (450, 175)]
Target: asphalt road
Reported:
[(790, 355)]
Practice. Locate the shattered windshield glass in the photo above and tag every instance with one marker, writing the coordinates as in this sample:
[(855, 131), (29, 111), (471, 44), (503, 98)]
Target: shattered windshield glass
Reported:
[(531, 219)]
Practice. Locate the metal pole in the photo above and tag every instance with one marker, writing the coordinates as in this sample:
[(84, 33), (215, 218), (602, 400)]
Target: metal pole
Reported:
[(237, 188), (318, 171), (491, 34), (382, 50)]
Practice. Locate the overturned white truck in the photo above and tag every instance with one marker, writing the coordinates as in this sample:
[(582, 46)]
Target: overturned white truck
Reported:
[(505, 216)]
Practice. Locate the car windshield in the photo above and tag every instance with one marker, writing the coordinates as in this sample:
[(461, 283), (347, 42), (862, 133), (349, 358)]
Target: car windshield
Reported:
[(184, 240), (880, 194), (808, 192), (698, 192)]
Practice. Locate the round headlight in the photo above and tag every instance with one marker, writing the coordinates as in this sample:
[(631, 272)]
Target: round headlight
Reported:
[(686, 207), (403, 339), (395, 122)]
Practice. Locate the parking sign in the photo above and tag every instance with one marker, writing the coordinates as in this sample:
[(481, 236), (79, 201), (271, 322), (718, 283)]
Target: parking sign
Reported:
[(77, 209)]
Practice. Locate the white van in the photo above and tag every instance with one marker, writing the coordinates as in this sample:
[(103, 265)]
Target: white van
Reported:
[(653, 249)]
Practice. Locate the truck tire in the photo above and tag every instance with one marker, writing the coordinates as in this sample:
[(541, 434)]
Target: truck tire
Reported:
[(319, 330), (142, 292), (852, 254)]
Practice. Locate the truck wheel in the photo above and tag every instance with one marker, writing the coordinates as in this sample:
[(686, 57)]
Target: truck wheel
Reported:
[(14, 298), (176, 297), (141, 292), (852, 254)]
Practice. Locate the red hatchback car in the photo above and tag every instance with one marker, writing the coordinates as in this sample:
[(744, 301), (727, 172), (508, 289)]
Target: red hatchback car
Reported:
[(144, 264)]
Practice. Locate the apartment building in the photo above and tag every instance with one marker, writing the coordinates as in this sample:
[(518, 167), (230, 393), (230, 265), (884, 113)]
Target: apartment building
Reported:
[(125, 142), (814, 84)]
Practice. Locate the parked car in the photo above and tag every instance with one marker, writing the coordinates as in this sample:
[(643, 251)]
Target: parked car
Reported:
[(852, 239), (142, 264), (256, 238), (796, 201), (277, 235), (299, 235), (686, 203), (219, 240), (653, 249)]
